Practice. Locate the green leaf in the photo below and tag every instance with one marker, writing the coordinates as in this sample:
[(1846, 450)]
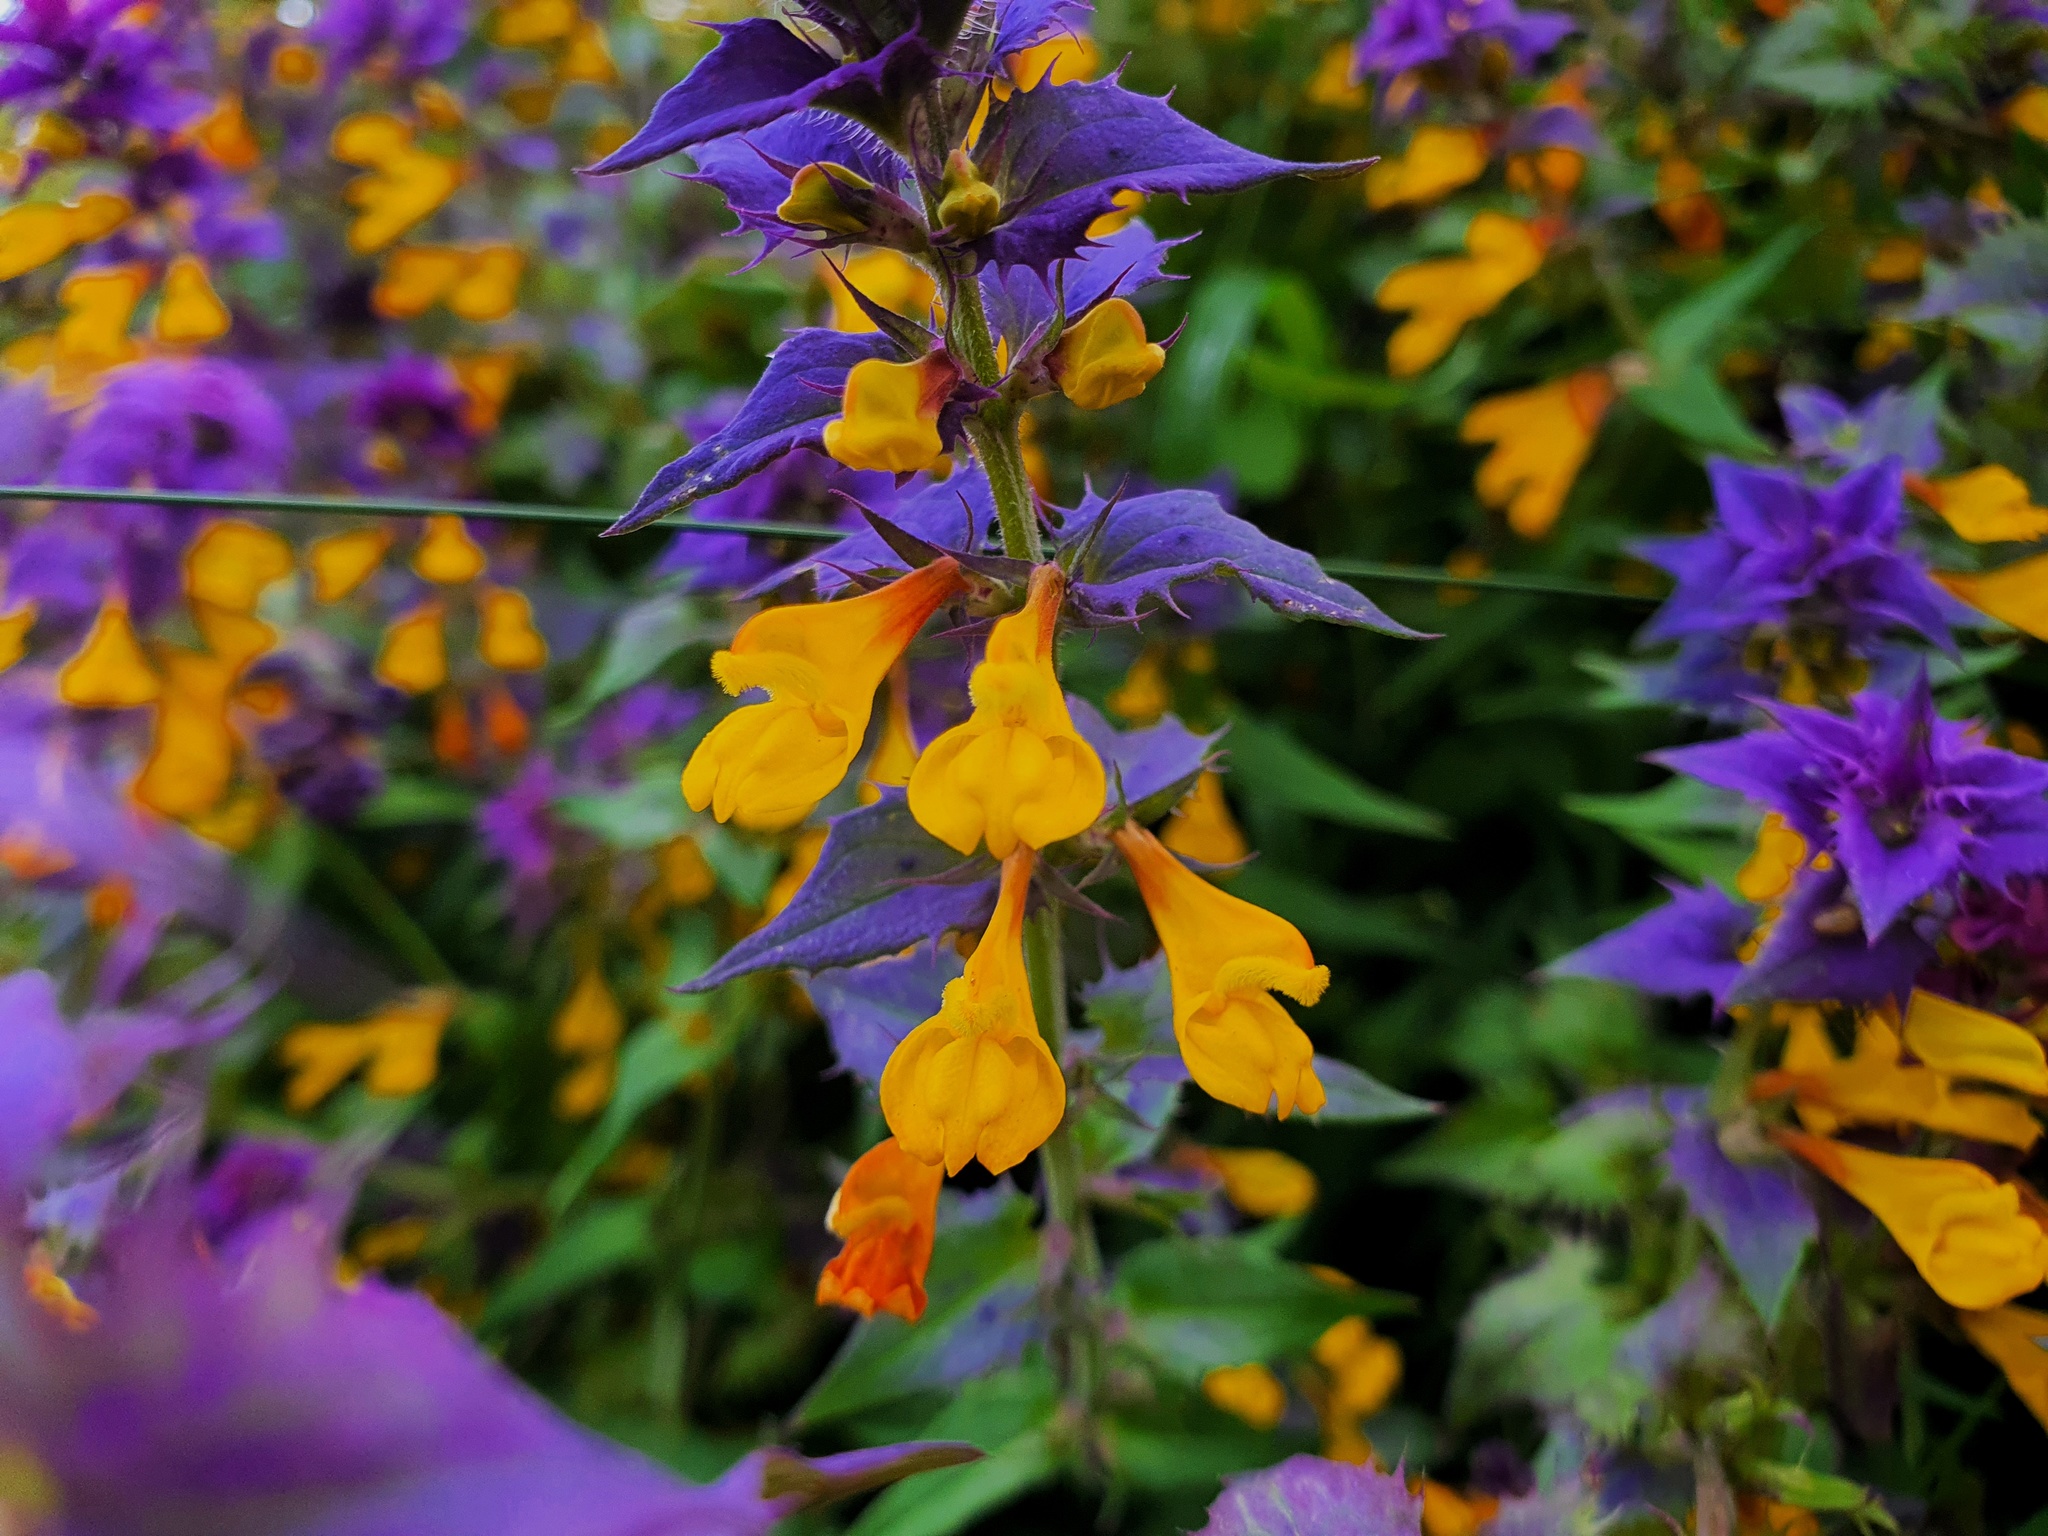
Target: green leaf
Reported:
[(1193, 1304), (1543, 1336), (657, 1058), (1005, 1415), (1696, 832), (1691, 402), (885, 1358), (1685, 332), (597, 1242), (1355, 925), (411, 802), (1358, 1098), (646, 635), (642, 814), (1821, 1491), (1283, 772), (1223, 318)]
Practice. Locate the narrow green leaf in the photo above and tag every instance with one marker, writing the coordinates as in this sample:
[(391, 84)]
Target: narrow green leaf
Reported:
[(1352, 924), (1691, 402), (1281, 771), (597, 1242), (1683, 334), (1358, 1098)]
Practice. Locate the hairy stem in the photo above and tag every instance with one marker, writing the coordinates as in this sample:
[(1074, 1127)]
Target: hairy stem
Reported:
[(993, 429)]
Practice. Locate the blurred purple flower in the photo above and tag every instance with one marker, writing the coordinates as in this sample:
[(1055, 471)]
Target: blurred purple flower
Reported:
[(102, 64), (1755, 1210), (405, 37), (1890, 423), (1415, 34), (1903, 800), (322, 750), (517, 826), (622, 726), (180, 423), (414, 416), (1681, 949), (1309, 1496)]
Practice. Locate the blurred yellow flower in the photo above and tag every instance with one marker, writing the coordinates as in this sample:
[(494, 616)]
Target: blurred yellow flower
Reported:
[(1540, 440), (109, 671), (478, 282), (189, 313), (506, 637), (403, 183), (414, 655), (1442, 296), (1970, 1043), (34, 234), (2015, 594), (1986, 505), (231, 562), (1335, 83), (446, 554), (2016, 1341), (1202, 828), (891, 280), (1780, 854), (400, 1043), (1248, 1392), (1436, 161), (341, 562), (1261, 1182)]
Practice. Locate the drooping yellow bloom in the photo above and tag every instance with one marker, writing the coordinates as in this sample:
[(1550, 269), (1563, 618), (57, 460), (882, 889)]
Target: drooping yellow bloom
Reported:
[(895, 755), (1780, 854), (414, 656), (1897, 259), (14, 627), (588, 1027), (1103, 359), (400, 1042), (889, 279), (889, 415), (99, 303), (2016, 1340), (1364, 1369), (1442, 296), (2028, 112), (109, 671), (447, 555), (506, 637), (976, 1080), (2015, 594), (1248, 1392), (34, 234), (1963, 1230), (1334, 84), (1986, 505), (1144, 694), (341, 562), (1261, 1182), (885, 1212), (402, 183), (1540, 439), (189, 313), (1437, 161), (766, 765), (192, 749), (814, 200), (530, 23), (1969, 1043), (1872, 1088), (231, 562), (478, 283), (1226, 958), (1202, 828), (1015, 772)]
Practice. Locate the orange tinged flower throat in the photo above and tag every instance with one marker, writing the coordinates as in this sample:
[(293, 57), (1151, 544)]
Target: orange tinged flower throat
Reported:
[(886, 1213)]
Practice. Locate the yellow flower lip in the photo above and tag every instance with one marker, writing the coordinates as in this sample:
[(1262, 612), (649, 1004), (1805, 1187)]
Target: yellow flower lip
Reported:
[(109, 670), (1104, 358), (766, 765), (816, 199), (889, 414)]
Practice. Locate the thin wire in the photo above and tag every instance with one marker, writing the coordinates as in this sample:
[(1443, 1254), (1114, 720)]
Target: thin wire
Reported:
[(512, 511)]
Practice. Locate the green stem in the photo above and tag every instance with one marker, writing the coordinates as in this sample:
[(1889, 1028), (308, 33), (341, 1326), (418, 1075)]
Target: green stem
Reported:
[(381, 909), (994, 435)]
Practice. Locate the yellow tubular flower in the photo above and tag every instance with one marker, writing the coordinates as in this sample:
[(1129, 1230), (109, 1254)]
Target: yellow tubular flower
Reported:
[(814, 201), (1966, 1042), (1780, 854), (1103, 359), (401, 1042), (766, 765), (1872, 1088), (1442, 296), (1263, 1183), (403, 184), (589, 1020), (190, 313), (976, 1080), (1437, 161), (414, 656), (1015, 772), (1202, 828), (231, 562), (2015, 594), (109, 671), (1986, 505), (341, 562), (1248, 1392), (34, 234), (506, 637), (1540, 439), (1364, 1368), (192, 753), (889, 415), (447, 555), (14, 627), (1962, 1229), (2016, 1340), (1226, 957)]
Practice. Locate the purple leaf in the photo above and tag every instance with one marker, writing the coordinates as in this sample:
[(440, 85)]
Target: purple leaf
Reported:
[(1060, 154), (759, 71), (788, 409), (1146, 761), (1755, 1211), (1127, 557), (1021, 23), (879, 887), (41, 1081), (1799, 963), (748, 169), (1681, 949), (940, 512), (1309, 1496), (869, 1008), (1019, 300)]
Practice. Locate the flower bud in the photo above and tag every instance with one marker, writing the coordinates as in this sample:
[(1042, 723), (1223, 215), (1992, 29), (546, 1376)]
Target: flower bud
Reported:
[(968, 206), (890, 415), (814, 200), (1104, 358)]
